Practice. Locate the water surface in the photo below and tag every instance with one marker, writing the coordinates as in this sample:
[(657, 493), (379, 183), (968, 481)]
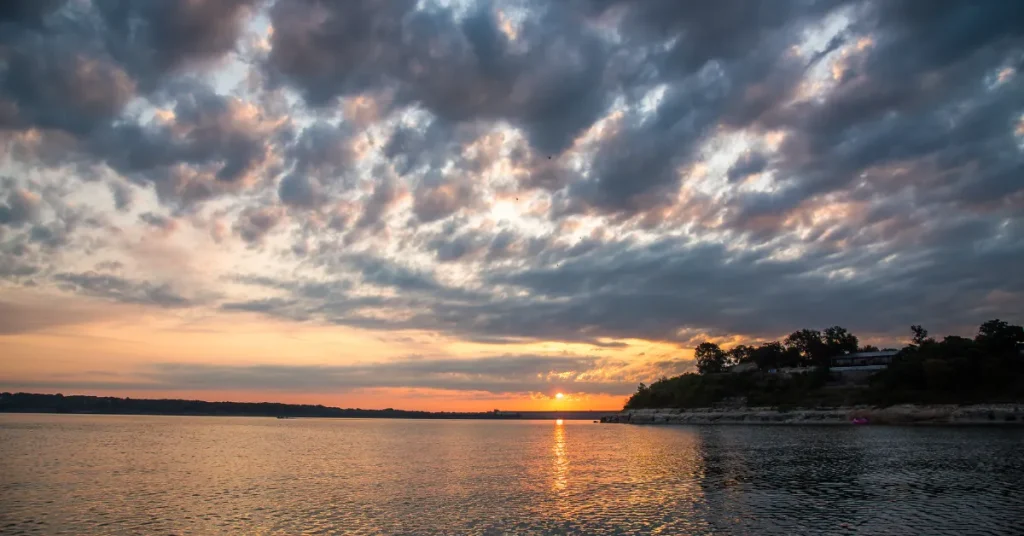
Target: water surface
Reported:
[(78, 474)]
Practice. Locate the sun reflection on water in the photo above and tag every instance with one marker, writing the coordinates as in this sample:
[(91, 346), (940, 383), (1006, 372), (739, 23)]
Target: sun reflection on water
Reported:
[(561, 468)]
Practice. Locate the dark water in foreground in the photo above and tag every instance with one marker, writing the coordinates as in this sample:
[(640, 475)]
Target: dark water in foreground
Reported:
[(208, 475)]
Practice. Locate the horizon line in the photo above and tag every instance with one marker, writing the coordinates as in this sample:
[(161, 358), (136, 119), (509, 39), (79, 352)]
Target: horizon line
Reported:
[(481, 412)]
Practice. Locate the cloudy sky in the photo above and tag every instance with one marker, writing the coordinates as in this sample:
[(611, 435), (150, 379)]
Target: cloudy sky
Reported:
[(470, 204)]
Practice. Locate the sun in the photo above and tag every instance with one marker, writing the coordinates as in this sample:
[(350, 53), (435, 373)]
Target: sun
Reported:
[(559, 396)]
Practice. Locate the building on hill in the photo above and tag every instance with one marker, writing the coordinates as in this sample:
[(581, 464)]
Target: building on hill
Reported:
[(743, 367), (864, 360)]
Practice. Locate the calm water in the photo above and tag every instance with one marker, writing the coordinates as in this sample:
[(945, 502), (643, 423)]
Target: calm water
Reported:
[(208, 475)]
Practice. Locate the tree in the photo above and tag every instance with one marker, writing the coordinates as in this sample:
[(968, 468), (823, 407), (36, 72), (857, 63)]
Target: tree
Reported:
[(920, 335), (772, 355), (953, 370), (840, 341), (1000, 337), (810, 345), (868, 348), (710, 358), (741, 353)]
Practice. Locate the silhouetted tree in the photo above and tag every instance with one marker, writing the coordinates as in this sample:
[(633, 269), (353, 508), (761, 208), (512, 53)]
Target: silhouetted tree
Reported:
[(40, 403), (999, 336), (710, 358), (840, 341), (771, 355), (741, 354), (868, 348), (811, 346), (956, 370), (920, 335)]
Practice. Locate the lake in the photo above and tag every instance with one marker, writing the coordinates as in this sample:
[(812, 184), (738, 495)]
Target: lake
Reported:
[(83, 474)]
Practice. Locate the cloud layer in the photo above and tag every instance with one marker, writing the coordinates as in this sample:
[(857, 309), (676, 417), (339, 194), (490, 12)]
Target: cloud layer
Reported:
[(588, 171)]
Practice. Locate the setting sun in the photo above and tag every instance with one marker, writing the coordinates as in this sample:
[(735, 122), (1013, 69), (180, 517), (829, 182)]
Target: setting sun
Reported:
[(559, 395)]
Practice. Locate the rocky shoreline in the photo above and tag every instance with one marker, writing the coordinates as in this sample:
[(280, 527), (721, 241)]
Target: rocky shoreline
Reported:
[(988, 414)]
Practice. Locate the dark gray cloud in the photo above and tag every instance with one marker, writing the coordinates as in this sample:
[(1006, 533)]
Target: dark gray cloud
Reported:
[(109, 266), (12, 268), (74, 66), (917, 95), (258, 306), (255, 222), (300, 191), (674, 291), (461, 70), (51, 236), (697, 32), (71, 69), (503, 245), (29, 12), (435, 202), (460, 247), (123, 195), (52, 85), (213, 146), (746, 165), (715, 76), (156, 220), (123, 290), (384, 273), (153, 38), (636, 170), (302, 288), (323, 150), (427, 147), (385, 194), (21, 207)]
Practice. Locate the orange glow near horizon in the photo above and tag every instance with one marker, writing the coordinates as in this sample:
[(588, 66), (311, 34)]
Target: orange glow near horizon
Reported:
[(402, 399), (107, 349)]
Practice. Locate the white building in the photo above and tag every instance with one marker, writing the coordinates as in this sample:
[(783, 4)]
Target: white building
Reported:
[(864, 360)]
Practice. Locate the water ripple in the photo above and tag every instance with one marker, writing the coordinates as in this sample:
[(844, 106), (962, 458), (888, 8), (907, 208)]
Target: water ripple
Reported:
[(172, 475)]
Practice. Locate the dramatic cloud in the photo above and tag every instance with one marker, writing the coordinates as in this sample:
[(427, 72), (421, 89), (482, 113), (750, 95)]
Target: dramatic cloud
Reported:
[(21, 207), (587, 176), (123, 290), (255, 223)]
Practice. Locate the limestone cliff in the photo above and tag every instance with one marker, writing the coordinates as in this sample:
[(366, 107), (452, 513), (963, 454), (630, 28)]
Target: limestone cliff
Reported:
[(901, 414)]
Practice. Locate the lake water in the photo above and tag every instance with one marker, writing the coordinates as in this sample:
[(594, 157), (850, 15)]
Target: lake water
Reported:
[(76, 474)]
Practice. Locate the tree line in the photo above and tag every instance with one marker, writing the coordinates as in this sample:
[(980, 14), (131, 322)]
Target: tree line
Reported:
[(986, 368), (58, 403), (802, 348)]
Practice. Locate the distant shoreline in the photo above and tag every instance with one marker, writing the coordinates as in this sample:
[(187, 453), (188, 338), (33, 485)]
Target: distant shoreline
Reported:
[(95, 405), (904, 414)]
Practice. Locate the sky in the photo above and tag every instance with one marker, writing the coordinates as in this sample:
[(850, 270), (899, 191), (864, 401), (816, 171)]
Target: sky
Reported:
[(470, 205)]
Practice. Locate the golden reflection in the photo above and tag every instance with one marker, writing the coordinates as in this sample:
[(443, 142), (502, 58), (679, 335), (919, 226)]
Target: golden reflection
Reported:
[(561, 472)]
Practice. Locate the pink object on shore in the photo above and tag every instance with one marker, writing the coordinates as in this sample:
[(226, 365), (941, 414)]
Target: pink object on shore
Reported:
[(860, 420)]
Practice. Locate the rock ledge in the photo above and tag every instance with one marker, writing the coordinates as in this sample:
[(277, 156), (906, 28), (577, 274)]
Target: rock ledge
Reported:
[(1004, 414)]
